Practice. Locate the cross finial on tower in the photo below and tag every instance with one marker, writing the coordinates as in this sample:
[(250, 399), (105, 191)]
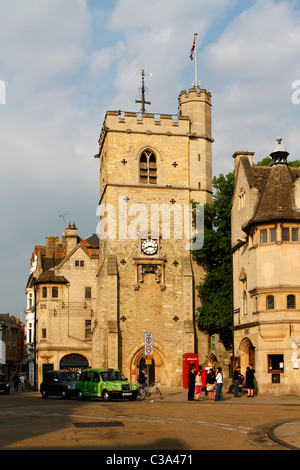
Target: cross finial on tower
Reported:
[(143, 90)]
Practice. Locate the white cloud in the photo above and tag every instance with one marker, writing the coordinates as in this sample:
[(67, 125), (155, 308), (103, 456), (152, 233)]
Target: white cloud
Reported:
[(159, 35), (252, 67)]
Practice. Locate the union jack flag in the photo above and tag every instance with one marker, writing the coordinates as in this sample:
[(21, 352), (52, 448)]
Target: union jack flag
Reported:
[(193, 48)]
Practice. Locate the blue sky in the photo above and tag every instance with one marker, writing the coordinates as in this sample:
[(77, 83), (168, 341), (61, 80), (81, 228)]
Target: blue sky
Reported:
[(65, 62)]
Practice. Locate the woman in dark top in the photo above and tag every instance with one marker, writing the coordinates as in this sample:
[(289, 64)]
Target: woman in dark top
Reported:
[(250, 380), (210, 384)]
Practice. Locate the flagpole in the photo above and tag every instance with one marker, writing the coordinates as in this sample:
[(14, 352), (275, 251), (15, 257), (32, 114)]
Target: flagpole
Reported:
[(196, 64)]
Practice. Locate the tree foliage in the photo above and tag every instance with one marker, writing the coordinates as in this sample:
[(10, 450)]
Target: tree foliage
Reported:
[(267, 162), (215, 292)]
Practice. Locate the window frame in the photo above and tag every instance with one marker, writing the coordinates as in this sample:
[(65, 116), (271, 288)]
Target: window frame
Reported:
[(53, 290), (273, 231), (148, 167), (295, 230), (285, 230), (79, 263), (88, 290), (268, 298), (88, 329), (277, 357), (263, 236), (291, 302)]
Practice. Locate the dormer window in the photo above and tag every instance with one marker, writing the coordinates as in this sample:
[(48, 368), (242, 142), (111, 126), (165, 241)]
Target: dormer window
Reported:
[(148, 167)]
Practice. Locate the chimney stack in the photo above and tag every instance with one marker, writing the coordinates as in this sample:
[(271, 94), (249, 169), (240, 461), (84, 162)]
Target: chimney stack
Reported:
[(70, 238)]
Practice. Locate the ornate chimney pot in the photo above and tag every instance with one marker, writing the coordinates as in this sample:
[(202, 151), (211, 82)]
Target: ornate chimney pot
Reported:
[(279, 154)]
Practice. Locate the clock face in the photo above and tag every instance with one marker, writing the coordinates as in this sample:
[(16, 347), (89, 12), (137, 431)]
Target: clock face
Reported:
[(149, 247)]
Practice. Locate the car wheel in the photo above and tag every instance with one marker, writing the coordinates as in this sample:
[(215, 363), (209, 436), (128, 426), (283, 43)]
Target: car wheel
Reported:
[(79, 395), (44, 394), (106, 395), (63, 394), (133, 398)]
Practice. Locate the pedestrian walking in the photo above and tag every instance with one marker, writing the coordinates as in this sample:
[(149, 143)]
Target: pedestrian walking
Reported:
[(16, 382), (236, 381), (142, 378), (22, 381), (198, 384), (219, 385), (191, 384), (210, 384), (250, 380)]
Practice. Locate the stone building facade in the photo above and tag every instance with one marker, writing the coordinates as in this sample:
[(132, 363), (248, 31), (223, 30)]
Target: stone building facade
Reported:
[(151, 167), (61, 292), (266, 271), (12, 344)]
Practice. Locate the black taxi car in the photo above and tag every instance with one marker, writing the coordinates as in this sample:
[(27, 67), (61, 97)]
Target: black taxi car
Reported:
[(60, 383), (4, 384)]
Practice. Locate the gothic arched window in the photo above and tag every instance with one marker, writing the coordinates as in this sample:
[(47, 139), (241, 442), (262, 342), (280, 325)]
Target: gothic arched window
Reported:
[(148, 167)]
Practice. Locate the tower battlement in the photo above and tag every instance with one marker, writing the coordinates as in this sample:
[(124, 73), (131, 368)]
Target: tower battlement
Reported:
[(194, 95)]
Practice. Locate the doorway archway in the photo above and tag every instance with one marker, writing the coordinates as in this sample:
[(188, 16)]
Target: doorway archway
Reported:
[(157, 370), (247, 353)]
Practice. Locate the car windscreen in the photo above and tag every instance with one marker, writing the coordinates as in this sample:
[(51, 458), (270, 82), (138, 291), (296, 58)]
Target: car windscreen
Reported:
[(69, 376), (112, 375)]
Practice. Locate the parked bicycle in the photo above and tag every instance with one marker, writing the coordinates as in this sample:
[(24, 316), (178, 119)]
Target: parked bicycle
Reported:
[(153, 389)]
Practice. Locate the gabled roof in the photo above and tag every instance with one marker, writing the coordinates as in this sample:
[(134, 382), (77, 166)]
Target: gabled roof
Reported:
[(90, 245), (275, 200), (49, 277)]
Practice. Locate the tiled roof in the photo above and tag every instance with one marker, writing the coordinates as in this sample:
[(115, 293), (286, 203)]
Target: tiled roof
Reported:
[(49, 277), (275, 185)]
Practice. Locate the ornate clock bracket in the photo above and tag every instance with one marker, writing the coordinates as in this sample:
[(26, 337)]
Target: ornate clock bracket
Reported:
[(154, 267)]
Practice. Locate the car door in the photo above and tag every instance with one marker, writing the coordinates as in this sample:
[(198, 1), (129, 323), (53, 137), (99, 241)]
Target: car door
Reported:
[(55, 385), (88, 383), (95, 389)]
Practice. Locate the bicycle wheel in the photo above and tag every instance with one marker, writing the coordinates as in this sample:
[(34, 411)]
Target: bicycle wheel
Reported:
[(158, 393), (141, 395)]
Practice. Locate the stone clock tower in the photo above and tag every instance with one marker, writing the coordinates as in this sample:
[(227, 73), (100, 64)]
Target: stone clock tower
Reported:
[(151, 167)]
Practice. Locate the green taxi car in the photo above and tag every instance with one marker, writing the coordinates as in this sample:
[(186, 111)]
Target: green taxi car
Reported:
[(106, 384)]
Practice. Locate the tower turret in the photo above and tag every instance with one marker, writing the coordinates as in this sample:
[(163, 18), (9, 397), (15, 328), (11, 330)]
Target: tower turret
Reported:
[(196, 105)]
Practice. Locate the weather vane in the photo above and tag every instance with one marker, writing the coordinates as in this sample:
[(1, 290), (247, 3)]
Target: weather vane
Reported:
[(143, 89)]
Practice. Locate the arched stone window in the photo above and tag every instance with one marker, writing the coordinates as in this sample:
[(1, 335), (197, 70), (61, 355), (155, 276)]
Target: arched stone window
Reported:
[(148, 167), (74, 361)]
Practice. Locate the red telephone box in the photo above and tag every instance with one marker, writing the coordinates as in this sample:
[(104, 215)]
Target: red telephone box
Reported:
[(189, 360)]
